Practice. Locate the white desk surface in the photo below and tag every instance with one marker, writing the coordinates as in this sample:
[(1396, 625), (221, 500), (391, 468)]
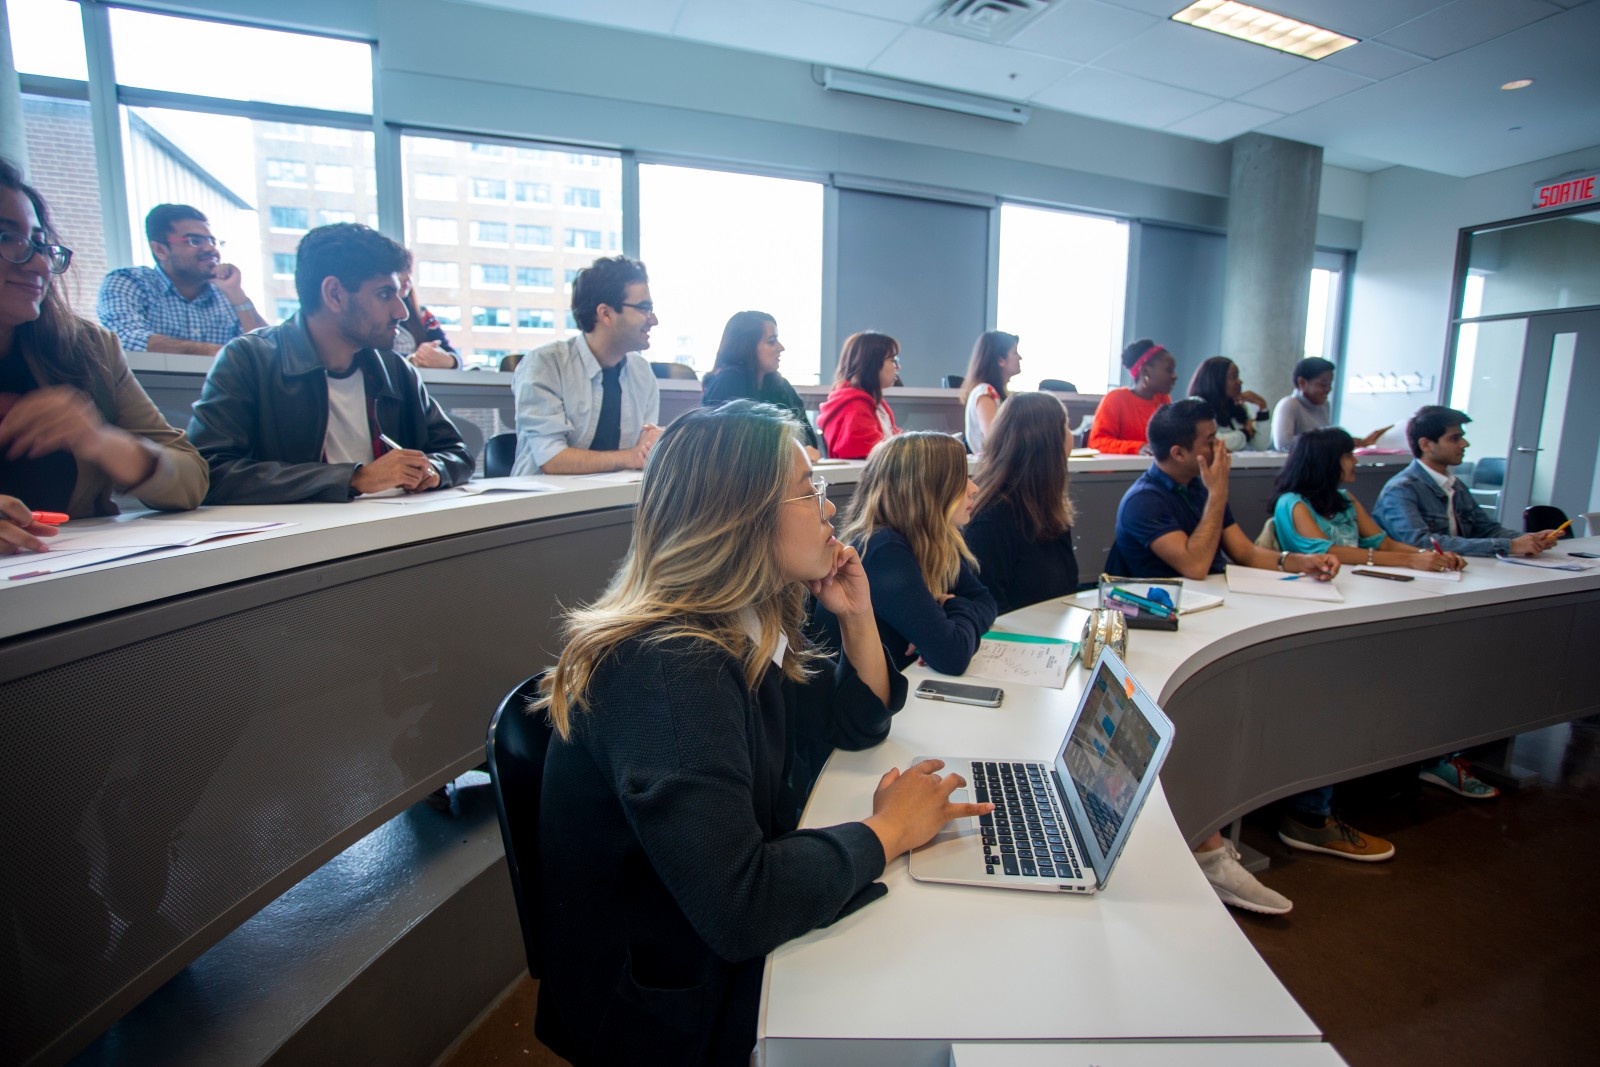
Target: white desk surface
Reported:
[(1132, 1054), (1155, 956)]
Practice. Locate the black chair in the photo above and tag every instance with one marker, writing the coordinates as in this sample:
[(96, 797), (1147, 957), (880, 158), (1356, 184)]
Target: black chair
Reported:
[(1489, 473), (674, 370), (499, 454), (1537, 517), (508, 364), (952, 381), (516, 748), (1056, 385)]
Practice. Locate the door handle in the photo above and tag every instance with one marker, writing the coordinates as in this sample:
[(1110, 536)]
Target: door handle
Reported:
[(1520, 449)]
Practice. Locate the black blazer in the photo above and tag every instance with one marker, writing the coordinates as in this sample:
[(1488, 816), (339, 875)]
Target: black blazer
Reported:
[(670, 861), (263, 413)]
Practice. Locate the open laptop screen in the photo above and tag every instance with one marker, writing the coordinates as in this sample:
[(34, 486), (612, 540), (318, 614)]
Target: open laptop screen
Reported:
[(1109, 754)]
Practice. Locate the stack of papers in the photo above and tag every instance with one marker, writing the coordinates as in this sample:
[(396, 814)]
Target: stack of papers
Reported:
[(1547, 563), (1258, 582), (1007, 657), (85, 546), (1407, 572)]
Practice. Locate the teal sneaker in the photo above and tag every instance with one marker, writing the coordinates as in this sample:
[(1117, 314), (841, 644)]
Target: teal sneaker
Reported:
[(1455, 774)]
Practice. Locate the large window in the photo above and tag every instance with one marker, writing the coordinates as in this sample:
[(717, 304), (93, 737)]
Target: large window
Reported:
[(251, 183), (508, 228), (243, 63), (766, 256), (1062, 281)]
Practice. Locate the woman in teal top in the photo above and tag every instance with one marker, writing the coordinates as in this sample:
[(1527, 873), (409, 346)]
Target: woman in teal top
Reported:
[(1314, 513)]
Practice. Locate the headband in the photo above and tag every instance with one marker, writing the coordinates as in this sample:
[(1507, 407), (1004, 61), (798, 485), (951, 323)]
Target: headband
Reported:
[(1149, 354)]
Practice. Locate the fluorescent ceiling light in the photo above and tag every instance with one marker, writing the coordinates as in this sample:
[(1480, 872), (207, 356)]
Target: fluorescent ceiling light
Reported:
[(1264, 28), (1520, 83)]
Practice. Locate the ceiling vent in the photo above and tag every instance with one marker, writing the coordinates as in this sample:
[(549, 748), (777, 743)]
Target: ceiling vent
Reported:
[(995, 21)]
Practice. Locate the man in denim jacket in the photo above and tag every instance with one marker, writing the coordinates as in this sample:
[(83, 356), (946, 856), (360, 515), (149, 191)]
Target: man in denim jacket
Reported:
[(1425, 504)]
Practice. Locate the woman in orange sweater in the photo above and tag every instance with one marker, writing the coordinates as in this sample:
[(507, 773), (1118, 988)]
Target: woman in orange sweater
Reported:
[(1120, 421)]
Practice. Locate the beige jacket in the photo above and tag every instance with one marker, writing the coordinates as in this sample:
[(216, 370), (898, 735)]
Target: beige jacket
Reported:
[(181, 476)]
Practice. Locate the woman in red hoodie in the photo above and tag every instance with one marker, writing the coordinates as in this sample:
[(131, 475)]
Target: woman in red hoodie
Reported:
[(855, 416)]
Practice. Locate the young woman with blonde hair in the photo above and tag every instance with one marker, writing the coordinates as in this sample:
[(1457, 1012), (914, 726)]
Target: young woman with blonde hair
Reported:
[(906, 519), (683, 703), (1021, 528)]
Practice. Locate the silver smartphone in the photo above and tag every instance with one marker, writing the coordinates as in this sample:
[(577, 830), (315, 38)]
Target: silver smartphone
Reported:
[(987, 696)]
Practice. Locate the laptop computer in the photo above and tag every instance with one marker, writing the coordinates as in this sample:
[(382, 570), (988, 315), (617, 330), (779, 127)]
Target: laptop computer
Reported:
[(1058, 826)]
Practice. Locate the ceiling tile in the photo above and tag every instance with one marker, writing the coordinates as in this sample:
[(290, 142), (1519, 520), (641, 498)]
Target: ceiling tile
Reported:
[(970, 66), (906, 11), (1354, 18), (642, 16), (1080, 29), (1197, 59), (1159, 8), (1451, 117), (1304, 88), (1223, 122), (1465, 23), (1372, 60), (1105, 94), (788, 28)]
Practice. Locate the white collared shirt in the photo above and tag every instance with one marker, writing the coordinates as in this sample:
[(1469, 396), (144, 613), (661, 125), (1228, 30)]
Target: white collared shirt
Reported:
[(1447, 482), (558, 392), (752, 628)]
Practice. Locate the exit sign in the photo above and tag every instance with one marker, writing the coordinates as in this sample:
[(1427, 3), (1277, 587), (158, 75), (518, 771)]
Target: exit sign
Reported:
[(1567, 191)]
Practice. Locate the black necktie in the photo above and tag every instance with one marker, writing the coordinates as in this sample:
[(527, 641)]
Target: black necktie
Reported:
[(608, 430)]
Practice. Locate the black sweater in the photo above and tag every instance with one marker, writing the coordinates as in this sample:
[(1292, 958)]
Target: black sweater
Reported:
[(1017, 570), (945, 635), (733, 383), (672, 863)]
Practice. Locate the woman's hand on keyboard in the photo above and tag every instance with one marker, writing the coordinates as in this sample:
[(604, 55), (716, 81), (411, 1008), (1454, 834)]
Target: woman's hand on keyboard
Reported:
[(910, 807)]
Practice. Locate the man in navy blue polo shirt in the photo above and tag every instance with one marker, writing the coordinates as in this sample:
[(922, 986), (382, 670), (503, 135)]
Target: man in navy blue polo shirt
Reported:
[(1175, 519)]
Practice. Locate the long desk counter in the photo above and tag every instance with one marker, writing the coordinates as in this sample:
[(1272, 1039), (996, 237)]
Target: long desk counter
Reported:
[(481, 403), (190, 734), (1268, 701)]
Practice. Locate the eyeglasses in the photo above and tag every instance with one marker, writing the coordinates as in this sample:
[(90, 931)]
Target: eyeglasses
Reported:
[(819, 491), (644, 307), (896, 360), (198, 240), (15, 248)]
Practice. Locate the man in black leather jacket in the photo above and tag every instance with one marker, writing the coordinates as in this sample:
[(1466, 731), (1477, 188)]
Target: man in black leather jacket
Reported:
[(311, 409)]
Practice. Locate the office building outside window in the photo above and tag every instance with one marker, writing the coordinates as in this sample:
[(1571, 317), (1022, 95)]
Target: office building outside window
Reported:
[(488, 218)]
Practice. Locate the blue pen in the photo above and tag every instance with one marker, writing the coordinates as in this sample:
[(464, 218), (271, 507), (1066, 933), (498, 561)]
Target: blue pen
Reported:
[(1291, 578)]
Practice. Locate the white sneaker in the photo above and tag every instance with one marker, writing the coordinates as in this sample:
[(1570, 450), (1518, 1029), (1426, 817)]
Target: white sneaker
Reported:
[(1237, 887)]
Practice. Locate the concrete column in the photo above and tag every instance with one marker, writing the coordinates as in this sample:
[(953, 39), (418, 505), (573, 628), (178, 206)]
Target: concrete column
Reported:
[(1272, 230), (13, 137)]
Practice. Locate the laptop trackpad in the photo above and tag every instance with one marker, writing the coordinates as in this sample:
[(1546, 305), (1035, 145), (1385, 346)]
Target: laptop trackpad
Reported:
[(958, 828)]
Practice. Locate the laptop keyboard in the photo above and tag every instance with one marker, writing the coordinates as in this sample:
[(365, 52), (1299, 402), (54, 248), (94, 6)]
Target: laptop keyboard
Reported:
[(1025, 835)]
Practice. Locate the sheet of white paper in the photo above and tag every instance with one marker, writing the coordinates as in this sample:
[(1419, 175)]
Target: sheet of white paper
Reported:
[(1194, 600), (1258, 582), (40, 564), (486, 487), (154, 533), (1003, 657)]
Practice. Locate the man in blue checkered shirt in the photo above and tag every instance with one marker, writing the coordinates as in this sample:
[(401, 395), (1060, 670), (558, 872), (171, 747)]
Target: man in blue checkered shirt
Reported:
[(190, 302)]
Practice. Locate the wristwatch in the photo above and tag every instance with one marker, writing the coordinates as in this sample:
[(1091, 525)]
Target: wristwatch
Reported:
[(248, 305), (1281, 557)]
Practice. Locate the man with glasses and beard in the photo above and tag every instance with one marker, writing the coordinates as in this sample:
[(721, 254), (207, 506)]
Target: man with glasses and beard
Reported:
[(589, 404), (190, 302), (319, 407)]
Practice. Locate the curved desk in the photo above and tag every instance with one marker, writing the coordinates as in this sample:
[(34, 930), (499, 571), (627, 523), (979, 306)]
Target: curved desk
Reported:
[(189, 734), (1393, 674)]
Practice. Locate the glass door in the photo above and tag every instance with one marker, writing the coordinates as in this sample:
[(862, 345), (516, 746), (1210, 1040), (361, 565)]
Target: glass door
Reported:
[(1554, 436)]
